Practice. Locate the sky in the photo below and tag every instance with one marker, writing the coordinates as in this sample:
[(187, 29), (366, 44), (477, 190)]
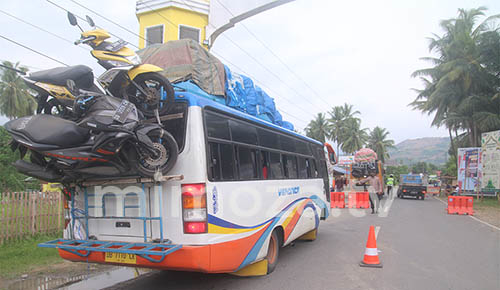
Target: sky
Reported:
[(357, 52)]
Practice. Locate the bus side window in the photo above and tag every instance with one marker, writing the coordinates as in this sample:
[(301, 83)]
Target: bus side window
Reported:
[(290, 163), (247, 161), (214, 163), (264, 163), (227, 161), (276, 166), (304, 168), (314, 169), (109, 205)]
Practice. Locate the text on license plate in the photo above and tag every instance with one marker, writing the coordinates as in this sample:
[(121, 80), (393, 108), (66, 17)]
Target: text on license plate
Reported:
[(120, 258)]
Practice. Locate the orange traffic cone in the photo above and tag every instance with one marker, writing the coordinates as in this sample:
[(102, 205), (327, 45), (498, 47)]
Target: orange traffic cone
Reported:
[(371, 252)]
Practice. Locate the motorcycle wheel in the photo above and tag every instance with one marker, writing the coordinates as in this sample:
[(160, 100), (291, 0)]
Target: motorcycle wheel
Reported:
[(55, 108), (167, 152), (160, 94)]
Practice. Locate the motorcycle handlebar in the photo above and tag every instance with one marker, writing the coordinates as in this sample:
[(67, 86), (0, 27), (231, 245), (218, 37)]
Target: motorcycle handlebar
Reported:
[(83, 40)]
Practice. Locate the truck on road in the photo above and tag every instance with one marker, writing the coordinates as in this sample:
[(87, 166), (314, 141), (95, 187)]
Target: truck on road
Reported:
[(412, 185)]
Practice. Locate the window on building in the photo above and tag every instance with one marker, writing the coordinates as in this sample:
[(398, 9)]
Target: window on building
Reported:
[(247, 163), (186, 32), (154, 34)]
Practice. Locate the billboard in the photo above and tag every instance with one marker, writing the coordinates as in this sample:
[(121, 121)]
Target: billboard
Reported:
[(345, 161), (469, 169), (490, 148)]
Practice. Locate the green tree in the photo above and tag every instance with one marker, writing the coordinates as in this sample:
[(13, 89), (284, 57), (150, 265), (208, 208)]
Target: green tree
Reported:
[(462, 87), (339, 115), (355, 137), (15, 99), (318, 128), (10, 179), (379, 143)]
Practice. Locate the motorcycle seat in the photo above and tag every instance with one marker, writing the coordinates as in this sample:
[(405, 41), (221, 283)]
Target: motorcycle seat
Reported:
[(49, 130), (82, 75)]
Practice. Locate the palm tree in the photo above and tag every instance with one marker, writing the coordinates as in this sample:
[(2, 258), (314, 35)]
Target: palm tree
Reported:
[(379, 143), (461, 89), (15, 99), (338, 119), (355, 137), (318, 128)]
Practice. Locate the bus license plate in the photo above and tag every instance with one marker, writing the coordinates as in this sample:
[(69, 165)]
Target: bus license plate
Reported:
[(120, 258)]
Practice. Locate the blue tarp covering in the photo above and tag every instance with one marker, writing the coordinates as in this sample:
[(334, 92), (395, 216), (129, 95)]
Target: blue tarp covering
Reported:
[(243, 95)]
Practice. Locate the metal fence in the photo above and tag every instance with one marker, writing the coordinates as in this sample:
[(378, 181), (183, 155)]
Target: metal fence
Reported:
[(25, 214)]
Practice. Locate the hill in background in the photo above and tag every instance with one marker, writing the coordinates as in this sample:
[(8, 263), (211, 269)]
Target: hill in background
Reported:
[(430, 149)]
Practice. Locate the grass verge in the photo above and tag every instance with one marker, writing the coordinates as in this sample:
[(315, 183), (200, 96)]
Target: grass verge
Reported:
[(491, 202), (19, 257)]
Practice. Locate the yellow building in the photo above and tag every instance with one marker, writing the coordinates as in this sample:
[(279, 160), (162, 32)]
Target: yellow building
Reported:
[(164, 20)]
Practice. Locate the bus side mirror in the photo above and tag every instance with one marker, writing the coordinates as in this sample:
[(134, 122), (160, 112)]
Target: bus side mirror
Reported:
[(332, 158)]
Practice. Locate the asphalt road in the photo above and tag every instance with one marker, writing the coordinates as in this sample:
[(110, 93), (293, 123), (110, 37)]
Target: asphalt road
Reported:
[(421, 247)]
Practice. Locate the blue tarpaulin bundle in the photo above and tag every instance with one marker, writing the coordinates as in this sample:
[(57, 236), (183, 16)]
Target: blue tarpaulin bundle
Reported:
[(191, 67), (243, 95)]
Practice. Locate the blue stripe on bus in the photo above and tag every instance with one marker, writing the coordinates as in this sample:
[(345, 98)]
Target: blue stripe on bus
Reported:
[(194, 100), (252, 255)]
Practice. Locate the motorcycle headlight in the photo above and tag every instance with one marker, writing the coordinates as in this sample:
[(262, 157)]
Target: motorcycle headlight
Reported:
[(134, 59)]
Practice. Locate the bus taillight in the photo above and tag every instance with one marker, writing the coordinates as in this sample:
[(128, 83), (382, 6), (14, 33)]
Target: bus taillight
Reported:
[(194, 208)]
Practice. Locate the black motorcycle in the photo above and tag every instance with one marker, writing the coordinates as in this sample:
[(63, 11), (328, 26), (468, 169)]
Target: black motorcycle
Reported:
[(107, 140)]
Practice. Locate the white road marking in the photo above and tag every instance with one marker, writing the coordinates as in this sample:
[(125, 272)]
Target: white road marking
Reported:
[(473, 217), (377, 229), (483, 222)]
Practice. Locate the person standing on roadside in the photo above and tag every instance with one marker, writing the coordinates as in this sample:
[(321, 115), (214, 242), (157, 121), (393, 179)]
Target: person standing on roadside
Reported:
[(390, 184), (375, 190)]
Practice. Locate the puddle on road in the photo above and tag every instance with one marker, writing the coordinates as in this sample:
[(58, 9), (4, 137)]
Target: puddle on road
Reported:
[(81, 282)]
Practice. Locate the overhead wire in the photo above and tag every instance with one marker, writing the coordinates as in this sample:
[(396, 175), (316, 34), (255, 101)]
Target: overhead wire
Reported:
[(261, 64), (41, 29), (232, 64), (83, 19), (175, 25), (276, 56), (33, 50), (109, 20)]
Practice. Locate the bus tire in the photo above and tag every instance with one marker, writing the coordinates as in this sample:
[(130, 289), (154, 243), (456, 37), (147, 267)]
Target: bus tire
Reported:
[(273, 252)]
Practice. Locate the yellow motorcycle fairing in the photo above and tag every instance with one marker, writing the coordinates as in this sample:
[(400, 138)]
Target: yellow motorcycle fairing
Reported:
[(100, 35), (143, 68), (115, 56), (58, 92)]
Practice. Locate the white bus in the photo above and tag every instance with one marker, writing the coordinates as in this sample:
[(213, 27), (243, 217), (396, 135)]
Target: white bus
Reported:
[(241, 189)]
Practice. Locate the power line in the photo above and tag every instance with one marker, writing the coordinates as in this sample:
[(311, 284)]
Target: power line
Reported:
[(39, 28), (268, 89), (33, 50), (83, 19), (261, 64), (168, 20), (275, 55), (107, 19), (23, 65)]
